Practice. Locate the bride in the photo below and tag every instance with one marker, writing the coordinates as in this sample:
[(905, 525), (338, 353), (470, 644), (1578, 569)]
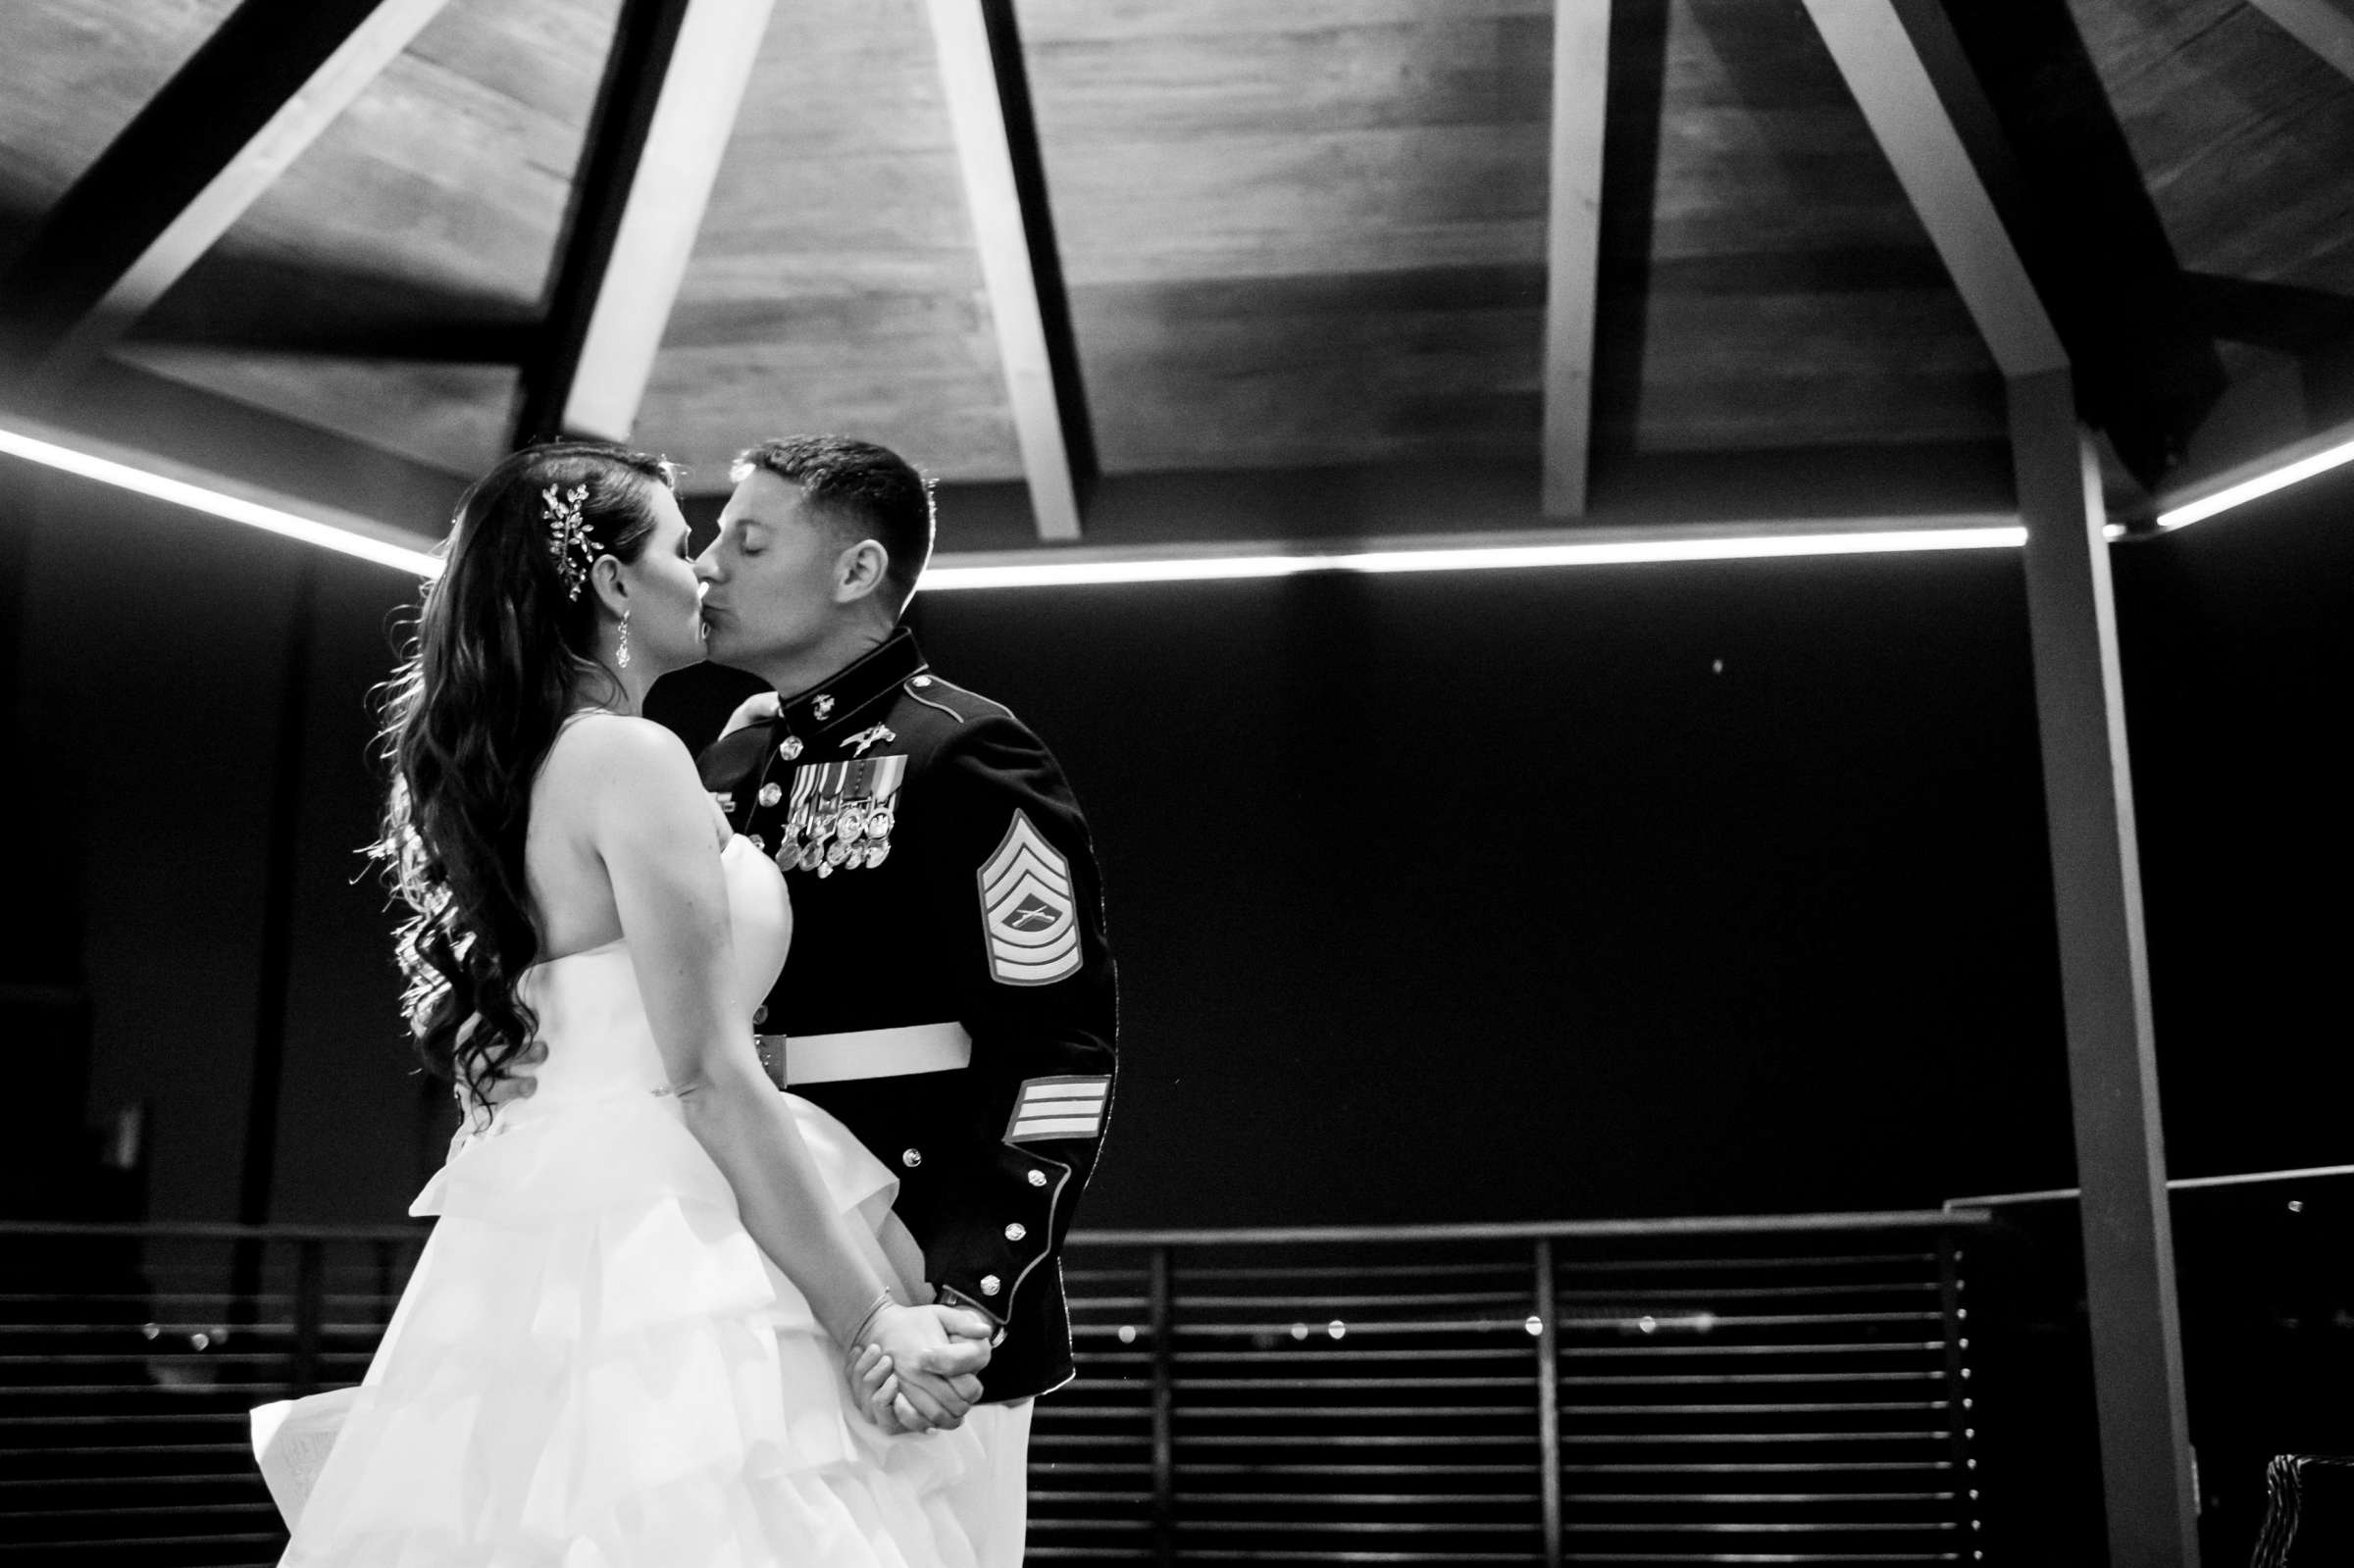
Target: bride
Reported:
[(665, 1317)]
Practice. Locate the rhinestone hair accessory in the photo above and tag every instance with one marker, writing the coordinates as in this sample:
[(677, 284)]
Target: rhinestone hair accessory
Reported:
[(568, 536)]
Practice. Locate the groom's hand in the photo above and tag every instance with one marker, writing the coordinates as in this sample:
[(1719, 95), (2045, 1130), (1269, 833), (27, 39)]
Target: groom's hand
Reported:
[(936, 1354)]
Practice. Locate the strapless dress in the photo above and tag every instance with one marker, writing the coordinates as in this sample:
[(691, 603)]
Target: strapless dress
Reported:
[(593, 1365)]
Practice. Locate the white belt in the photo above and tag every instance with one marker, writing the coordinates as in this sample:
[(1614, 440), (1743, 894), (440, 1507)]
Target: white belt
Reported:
[(869, 1052)]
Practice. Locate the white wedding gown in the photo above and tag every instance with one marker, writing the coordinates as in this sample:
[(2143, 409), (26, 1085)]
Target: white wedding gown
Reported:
[(593, 1365)]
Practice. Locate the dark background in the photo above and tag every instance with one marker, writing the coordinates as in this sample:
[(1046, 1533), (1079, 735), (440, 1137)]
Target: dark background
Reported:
[(1622, 891)]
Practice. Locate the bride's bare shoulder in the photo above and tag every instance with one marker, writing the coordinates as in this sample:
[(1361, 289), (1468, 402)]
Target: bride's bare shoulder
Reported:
[(613, 754)]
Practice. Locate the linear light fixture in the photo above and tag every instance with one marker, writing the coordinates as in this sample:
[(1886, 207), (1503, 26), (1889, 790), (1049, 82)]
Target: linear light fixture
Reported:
[(347, 535), (2340, 450), (1054, 570)]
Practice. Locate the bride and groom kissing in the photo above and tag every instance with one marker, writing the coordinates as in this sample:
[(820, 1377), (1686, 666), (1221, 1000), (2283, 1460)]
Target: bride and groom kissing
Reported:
[(669, 1314)]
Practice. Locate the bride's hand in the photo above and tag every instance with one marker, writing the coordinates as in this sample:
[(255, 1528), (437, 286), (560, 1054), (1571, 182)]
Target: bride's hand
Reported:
[(935, 1352)]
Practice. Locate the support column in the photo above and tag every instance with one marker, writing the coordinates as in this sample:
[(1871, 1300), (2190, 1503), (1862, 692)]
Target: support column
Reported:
[(2104, 977)]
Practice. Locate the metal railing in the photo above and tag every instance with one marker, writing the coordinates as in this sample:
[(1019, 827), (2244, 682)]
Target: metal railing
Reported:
[(1791, 1387)]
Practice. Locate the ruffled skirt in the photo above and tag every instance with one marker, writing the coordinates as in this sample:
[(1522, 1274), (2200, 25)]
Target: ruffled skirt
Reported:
[(594, 1366)]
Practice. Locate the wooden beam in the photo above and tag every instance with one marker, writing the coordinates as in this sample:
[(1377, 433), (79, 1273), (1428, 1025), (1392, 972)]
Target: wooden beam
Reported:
[(988, 99), (2325, 26), (259, 92), (2105, 987), (1907, 72), (675, 78), (1581, 64), (1888, 72)]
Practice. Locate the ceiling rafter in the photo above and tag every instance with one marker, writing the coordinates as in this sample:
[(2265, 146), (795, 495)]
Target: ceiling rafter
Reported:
[(674, 79), (246, 104), (1581, 69), (2325, 26), (988, 96), (1907, 72)]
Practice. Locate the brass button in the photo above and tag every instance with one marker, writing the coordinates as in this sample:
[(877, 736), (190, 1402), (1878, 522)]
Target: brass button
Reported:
[(1037, 1178), (1015, 1233), (990, 1285), (789, 747), (771, 793), (912, 1158)]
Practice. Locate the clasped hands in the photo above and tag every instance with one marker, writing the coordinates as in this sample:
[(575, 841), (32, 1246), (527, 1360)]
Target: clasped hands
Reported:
[(917, 1367)]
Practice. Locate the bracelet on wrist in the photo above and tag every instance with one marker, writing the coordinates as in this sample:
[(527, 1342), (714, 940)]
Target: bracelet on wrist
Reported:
[(857, 1336)]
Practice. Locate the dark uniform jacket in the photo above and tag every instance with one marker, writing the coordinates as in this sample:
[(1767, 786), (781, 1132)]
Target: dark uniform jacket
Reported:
[(943, 876)]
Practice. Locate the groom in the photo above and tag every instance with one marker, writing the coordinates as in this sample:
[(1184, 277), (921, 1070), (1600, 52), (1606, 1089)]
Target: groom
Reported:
[(950, 992)]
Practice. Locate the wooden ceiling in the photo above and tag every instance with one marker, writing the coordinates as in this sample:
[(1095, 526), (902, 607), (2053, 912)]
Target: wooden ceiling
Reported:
[(1283, 251)]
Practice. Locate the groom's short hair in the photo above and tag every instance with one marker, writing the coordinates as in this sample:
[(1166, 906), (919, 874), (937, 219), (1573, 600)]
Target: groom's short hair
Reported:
[(864, 491)]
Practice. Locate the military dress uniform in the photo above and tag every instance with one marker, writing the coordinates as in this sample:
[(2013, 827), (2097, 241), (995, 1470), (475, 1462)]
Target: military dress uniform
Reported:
[(949, 993)]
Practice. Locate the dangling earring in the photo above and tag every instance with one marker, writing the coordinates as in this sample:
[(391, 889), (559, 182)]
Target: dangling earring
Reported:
[(621, 655)]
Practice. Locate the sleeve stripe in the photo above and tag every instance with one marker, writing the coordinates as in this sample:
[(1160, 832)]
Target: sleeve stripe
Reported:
[(1064, 1092), (1064, 1126)]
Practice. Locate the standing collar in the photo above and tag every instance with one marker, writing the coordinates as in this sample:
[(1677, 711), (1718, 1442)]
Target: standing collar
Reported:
[(834, 702)]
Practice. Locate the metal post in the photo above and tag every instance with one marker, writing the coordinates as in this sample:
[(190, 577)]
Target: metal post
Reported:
[(310, 1311), (1549, 1404), (1165, 1411), (2103, 976), (1960, 1405)]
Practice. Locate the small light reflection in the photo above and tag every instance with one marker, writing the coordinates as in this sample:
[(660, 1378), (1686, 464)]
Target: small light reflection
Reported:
[(153, 1330), (1647, 1324), (201, 1341), (1535, 1326), (1298, 1330), (1337, 1329), (1127, 1333)]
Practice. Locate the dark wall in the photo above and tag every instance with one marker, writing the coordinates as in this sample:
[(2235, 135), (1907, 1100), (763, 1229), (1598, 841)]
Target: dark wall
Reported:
[(1619, 890)]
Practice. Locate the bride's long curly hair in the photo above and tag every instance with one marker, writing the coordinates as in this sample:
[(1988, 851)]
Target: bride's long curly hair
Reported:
[(502, 652)]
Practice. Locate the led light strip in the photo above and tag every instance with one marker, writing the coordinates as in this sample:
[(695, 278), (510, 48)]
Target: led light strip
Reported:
[(951, 575), (2262, 484), (347, 539), (354, 536)]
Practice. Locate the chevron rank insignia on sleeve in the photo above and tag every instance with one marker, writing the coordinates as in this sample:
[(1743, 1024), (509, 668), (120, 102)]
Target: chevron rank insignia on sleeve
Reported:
[(1070, 1106), (1029, 909)]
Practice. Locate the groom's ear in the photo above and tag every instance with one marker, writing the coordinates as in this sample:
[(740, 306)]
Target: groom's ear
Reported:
[(858, 570)]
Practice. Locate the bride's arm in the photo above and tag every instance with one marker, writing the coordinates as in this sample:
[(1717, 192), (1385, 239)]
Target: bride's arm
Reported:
[(651, 824)]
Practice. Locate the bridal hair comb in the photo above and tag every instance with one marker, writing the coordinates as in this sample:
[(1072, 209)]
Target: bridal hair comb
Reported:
[(568, 536)]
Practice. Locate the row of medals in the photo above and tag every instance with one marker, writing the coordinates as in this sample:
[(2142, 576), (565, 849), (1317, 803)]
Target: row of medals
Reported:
[(854, 835)]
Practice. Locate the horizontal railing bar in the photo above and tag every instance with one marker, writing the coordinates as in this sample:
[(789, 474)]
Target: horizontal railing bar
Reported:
[(229, 1477), (1659, 1379), (1741, 1527), (1754, 1292), (1221, 1303), (1756, 1320), (1323, 1499), (216, 1231), (242, 1538), (1326, 1353), (2177, 1184), (1698, 1347), (1353, 1526), (1368, 1412), (1744, 1498), (1367, 1440), (1775, 1407), (1304, 1385), (1762, 1467), (1814, 1260), (173, 1417), (1343, 1471), (117, 1448), (1602, 1439), (1555, 1230)]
